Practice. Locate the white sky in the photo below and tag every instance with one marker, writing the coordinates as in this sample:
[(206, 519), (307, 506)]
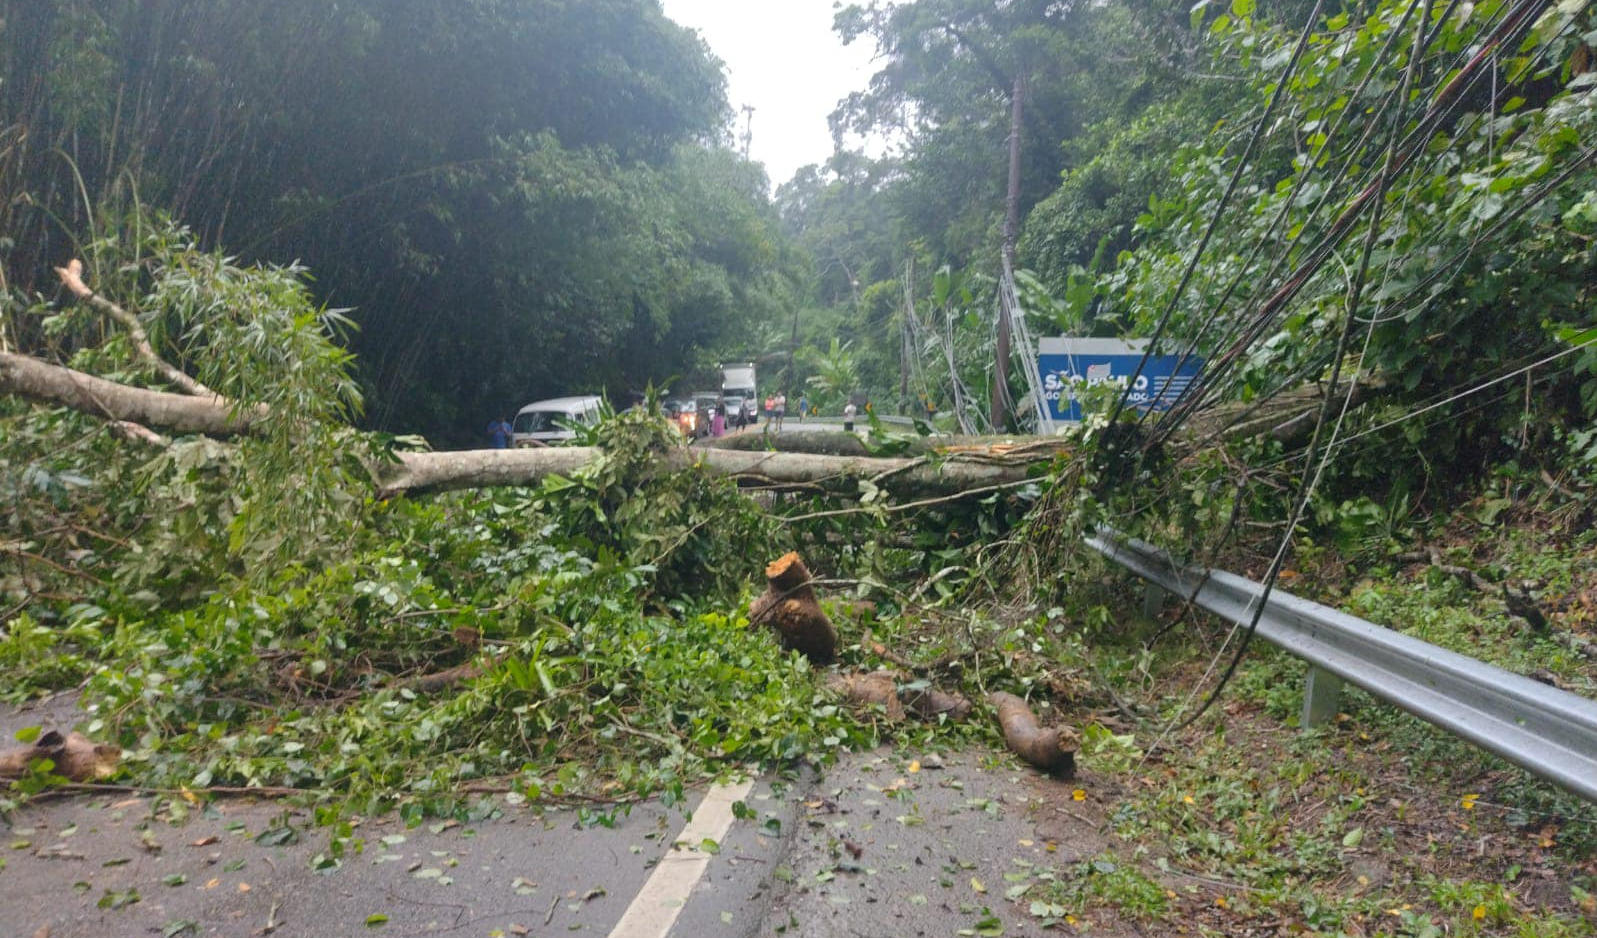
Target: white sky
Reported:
[(783, 58)]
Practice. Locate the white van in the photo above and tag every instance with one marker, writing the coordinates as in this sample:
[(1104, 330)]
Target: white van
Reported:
[(541, 422)]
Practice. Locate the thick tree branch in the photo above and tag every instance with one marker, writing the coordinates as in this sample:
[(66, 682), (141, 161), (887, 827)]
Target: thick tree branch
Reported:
[(418, 472), (72, 278), (179, 413)]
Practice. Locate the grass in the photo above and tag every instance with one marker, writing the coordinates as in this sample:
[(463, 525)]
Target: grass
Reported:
[(1377, 823)]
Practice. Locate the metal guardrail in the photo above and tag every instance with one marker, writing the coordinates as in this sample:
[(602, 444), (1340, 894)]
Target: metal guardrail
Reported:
[(1547, 731)]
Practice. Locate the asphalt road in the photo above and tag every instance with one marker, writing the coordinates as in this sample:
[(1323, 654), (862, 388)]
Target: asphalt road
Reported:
[(885, 843)]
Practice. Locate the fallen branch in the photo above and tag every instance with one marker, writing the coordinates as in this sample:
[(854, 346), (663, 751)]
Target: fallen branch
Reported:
[(31, 378), (440, 680), (1519, 601), (875, 689), (888, 690)]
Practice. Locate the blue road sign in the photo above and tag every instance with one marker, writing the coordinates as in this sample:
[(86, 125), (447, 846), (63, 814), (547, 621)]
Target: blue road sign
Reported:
[(1068, 366)]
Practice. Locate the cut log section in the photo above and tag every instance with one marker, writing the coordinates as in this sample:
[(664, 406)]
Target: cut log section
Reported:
[(1052, 749), (875, 689), (929, 703), (74, 756), (887, 689), (789, 606)]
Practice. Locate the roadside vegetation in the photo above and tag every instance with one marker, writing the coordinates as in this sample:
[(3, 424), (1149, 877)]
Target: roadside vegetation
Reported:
[(1398, 200)]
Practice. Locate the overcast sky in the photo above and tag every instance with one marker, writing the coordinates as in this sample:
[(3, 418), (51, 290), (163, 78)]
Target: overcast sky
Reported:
[(783, 59)]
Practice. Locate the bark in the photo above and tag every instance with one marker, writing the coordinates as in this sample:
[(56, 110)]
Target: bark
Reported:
[(180, 414), (930, 703), (952, 466), (1052, 750), (876, 689), (440, 680), (1000, 399), (417, 472), (789, 606), (1288, 417), (882, 689)]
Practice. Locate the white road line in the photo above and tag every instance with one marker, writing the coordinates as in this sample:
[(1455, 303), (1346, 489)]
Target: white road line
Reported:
[(655, 909)]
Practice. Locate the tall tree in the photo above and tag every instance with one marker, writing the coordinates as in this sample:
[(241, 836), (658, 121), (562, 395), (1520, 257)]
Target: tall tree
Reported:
[(503, 190)]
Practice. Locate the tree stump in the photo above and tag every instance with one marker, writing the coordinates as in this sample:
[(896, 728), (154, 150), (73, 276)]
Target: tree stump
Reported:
[(788, 605)]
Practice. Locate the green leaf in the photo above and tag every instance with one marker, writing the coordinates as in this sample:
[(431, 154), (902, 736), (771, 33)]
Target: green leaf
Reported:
[(376, 920), (29, 734), (1353, 837)]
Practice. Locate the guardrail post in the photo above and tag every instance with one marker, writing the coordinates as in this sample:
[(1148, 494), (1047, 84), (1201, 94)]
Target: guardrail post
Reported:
[(1322, 695), (1153, 598)]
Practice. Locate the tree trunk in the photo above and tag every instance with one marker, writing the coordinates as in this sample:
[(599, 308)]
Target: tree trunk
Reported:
[(789, 606), (999, 407), (951, 468)]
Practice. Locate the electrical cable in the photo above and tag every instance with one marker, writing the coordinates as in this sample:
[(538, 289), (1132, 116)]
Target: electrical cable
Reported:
[(1302, 182), (1311, 478), (1411, 143), (1219, 210)]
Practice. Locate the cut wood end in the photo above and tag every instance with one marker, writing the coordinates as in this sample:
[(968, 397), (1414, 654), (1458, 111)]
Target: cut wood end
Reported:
[(781, 565), (72, 278)]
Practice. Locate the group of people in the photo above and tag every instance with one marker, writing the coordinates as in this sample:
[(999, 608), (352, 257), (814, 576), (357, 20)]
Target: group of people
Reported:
[(776, 409)]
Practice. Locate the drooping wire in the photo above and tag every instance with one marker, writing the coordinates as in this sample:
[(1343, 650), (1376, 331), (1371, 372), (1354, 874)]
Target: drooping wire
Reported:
[(1332, 134), (1313, 473), (1219, 209), (1412, 143)]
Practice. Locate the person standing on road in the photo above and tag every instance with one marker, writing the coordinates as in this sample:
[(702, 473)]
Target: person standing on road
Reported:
[(804, 406), (499, 433), (717, 421), (781, 409), (848, 417)]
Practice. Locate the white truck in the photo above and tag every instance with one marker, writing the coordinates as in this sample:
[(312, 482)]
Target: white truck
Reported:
[(737, 381)]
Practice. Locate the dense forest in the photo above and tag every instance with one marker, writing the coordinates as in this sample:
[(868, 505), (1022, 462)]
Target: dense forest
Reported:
[(268, 269)]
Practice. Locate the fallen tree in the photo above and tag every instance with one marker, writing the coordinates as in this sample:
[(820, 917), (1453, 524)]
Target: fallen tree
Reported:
[(212, 416), (936, 467)]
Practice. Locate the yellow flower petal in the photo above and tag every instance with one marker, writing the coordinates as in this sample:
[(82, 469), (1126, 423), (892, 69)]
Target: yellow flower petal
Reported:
[(1479, 913)]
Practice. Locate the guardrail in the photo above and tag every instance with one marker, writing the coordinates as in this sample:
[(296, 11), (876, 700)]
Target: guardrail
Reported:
[(1549, 732)]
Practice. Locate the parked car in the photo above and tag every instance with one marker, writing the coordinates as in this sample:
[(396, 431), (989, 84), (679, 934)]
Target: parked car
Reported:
[(544, 422)]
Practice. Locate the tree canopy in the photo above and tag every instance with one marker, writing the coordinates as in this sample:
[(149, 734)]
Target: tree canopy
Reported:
[(513, 197)]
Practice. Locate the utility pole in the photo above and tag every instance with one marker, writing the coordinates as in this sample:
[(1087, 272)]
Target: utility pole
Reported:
[(1000, 405)]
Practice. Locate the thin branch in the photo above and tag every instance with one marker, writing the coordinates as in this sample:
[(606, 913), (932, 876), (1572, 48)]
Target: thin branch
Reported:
[(72, 278)]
